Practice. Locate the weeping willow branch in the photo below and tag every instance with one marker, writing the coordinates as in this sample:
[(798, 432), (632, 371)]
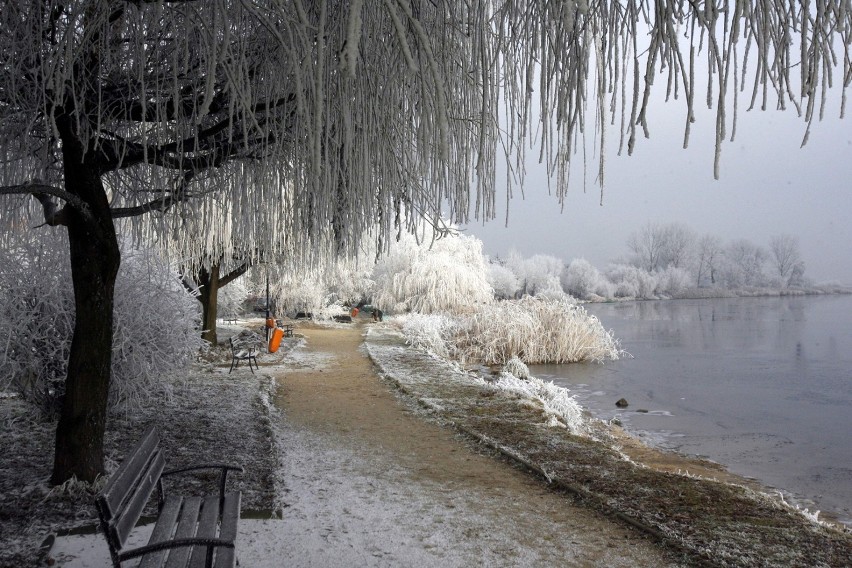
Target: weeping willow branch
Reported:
[(324, 121)]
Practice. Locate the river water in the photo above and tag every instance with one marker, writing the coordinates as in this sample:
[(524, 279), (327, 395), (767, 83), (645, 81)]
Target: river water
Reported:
[(761, 385)]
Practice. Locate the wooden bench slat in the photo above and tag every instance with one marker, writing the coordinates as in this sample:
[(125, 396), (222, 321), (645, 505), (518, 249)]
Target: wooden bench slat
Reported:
[(122, 482), (207, 524), (128, 517), (183, 524), (225, 557), (186, 529), (162, 531)]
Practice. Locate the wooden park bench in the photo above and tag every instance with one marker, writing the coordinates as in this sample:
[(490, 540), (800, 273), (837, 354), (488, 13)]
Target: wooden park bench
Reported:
[(238, 355), (189, 531), (229, 319), (288, 329)]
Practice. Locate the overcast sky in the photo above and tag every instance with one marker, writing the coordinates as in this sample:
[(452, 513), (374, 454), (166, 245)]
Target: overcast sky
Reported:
[(768, 186)]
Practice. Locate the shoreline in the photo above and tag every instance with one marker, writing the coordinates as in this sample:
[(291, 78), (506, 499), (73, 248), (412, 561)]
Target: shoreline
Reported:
[(701, 516)]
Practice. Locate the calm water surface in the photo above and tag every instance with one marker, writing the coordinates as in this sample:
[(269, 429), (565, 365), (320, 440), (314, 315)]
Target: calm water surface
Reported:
[(762, 385)]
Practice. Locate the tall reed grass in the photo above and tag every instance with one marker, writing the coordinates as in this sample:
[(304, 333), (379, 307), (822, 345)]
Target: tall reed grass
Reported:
[(534, 330)]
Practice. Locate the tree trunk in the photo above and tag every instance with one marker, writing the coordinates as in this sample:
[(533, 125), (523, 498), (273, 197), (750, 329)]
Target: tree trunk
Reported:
[(208, 286), (95, 259), (209, 282)]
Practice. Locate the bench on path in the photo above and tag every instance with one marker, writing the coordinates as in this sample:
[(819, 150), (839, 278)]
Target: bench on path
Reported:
[(189, 531), (238, 355), (288, 329), (229, 319)]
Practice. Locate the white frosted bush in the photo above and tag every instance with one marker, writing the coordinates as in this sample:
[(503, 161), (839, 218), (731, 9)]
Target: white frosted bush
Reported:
[(427, 332), (330, 311), (517, 368), (584, 281), (539, 275), (672, 281), (555, 399), (305, 292), (503, 280), (155, 330), (231, 298), (532, 329), (632, 282)]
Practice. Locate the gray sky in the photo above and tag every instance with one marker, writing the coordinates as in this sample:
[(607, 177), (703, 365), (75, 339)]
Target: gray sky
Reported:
[(768, 186)]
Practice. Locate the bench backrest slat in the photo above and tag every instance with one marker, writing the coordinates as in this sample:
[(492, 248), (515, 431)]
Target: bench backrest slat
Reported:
[(132, 510), (122, 483)]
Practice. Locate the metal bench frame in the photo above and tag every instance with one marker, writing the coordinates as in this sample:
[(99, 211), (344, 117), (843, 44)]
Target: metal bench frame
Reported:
[(190, 531), (238, 355)]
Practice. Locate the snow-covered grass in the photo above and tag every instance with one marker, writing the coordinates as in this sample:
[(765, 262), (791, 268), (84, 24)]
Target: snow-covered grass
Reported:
[(535, 330)]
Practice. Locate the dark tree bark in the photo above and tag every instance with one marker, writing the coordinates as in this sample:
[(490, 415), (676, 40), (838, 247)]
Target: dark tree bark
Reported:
[(95, 260), (209, 282)]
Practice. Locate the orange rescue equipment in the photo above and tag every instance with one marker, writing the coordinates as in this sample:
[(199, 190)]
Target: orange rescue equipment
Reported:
[(275, 340), (270, 323)]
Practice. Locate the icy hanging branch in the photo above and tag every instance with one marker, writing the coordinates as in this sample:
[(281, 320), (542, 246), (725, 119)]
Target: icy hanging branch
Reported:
[(404, 107), (53, 214)]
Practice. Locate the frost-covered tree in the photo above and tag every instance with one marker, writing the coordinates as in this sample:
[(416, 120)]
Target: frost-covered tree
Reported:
[(539, 275), (786, 259), (745, 264), (232, 298), (647, 245), (447, 275), (678, 246), (672, 281), (584, 281), (126, 108), (657, 246), (708, 259)]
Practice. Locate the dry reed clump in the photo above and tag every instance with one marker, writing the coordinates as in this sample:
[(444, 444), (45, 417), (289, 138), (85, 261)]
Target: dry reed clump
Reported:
[(535, 331)]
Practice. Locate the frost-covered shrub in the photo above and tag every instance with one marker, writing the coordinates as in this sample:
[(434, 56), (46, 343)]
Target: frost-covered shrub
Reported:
[(330, 311), (293, 293), (672, 281), (503, 280), (428, 331), (449, 275), (517, 368), (532, 329), (155, 321), (556, 400), (155, 325), (538, 275), (632, 282), (232, 297), (582, 280)]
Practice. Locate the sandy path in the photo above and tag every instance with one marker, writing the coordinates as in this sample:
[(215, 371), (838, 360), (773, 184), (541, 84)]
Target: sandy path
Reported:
[(368, 483)]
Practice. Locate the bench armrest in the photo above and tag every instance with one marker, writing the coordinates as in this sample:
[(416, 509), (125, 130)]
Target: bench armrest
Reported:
[(177, 543), (223, 477)]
